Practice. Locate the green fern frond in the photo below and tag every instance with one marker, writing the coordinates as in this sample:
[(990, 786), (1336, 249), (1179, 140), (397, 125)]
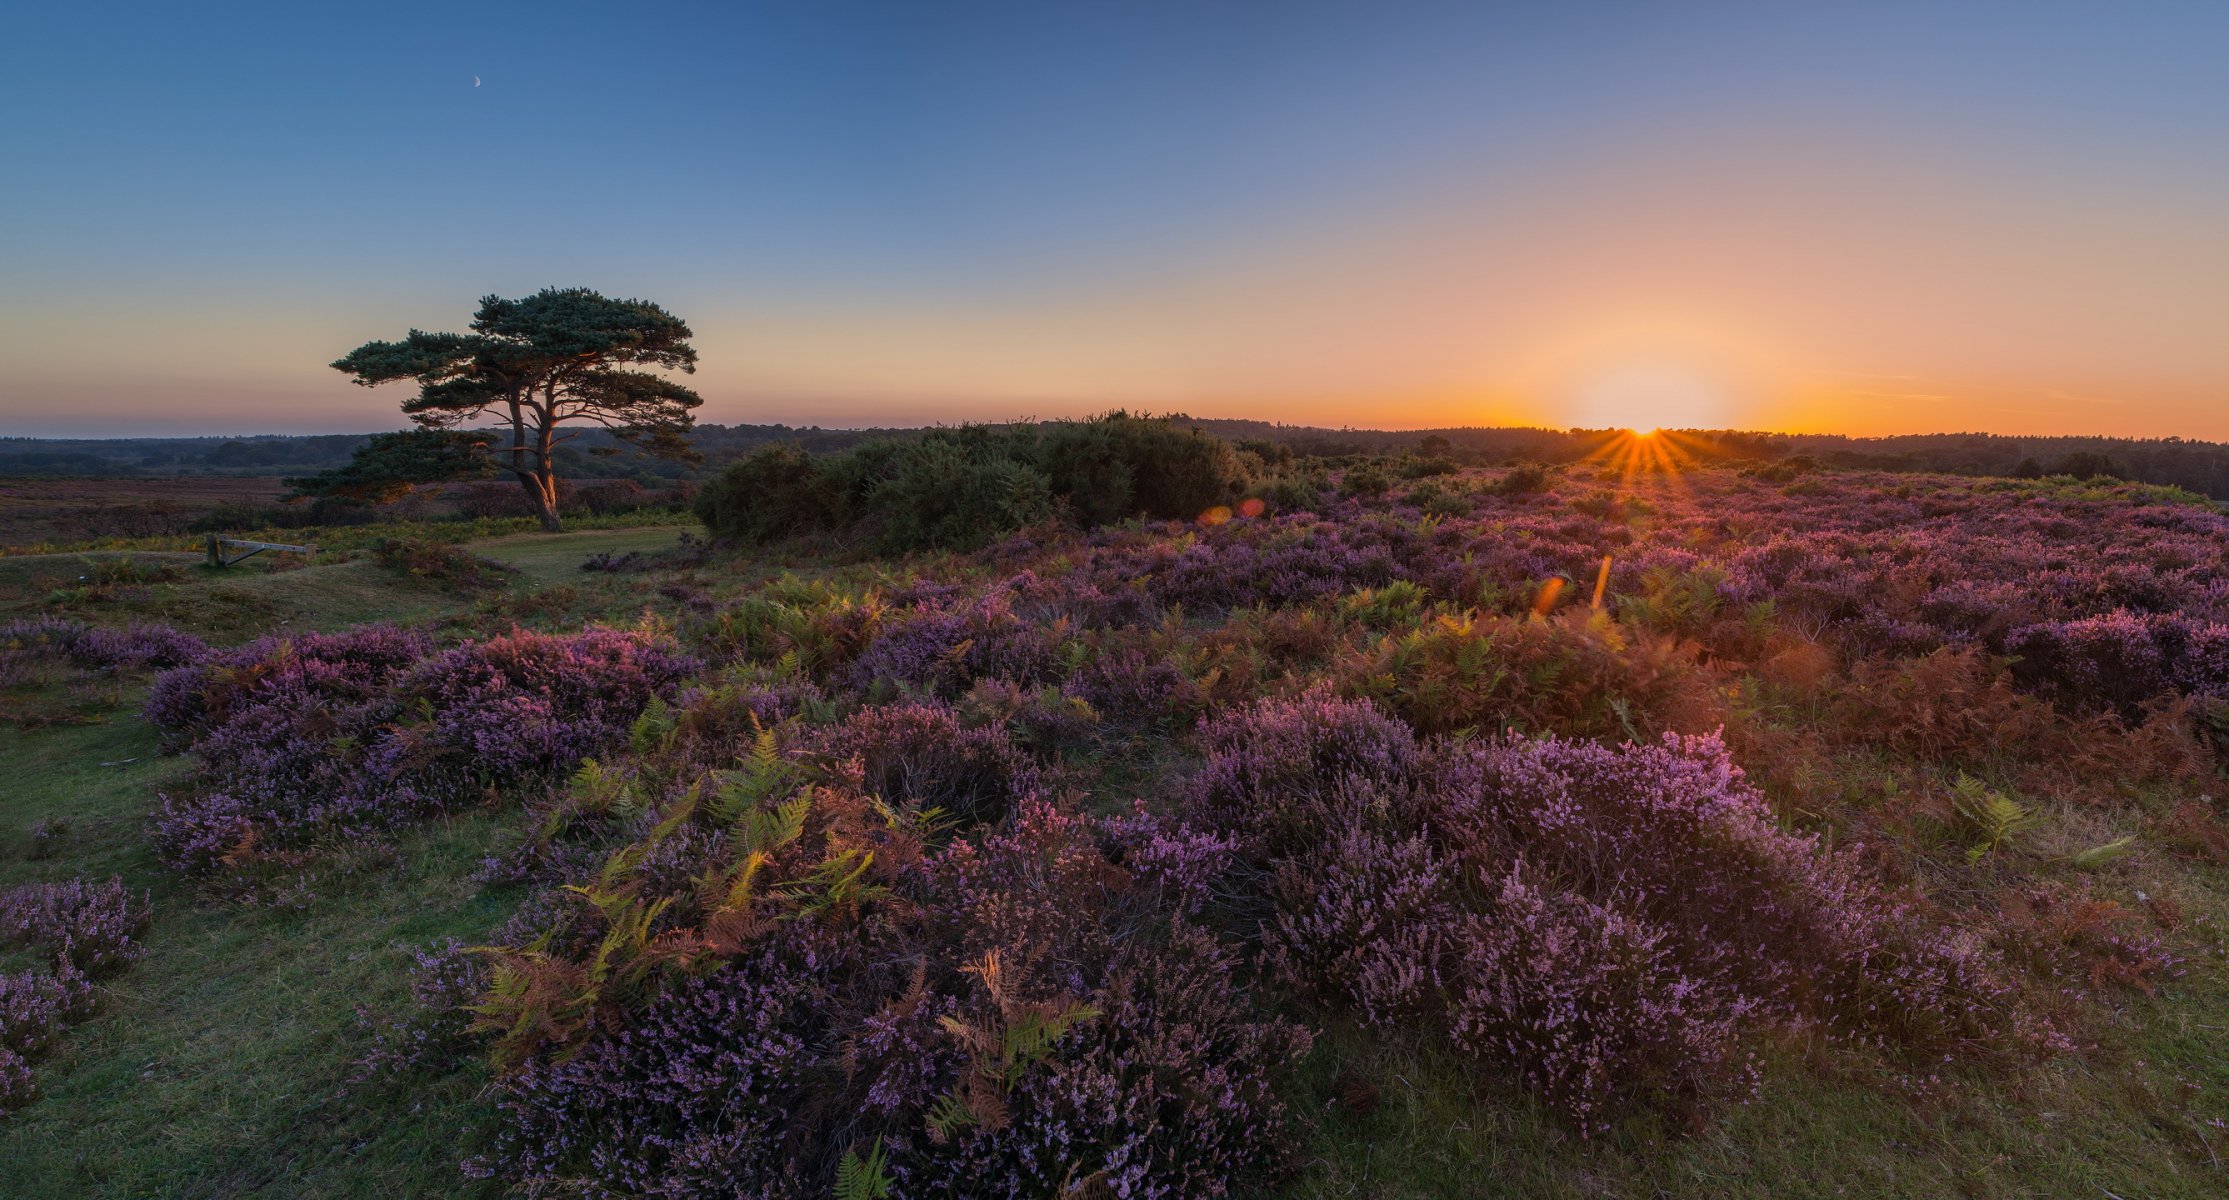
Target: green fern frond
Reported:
[(771, 829), (948, 1116), (1991, 816), (653, 729), (864, 1178)]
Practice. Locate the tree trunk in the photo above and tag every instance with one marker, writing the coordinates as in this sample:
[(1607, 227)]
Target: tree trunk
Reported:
[(545, 476), (545, 503)]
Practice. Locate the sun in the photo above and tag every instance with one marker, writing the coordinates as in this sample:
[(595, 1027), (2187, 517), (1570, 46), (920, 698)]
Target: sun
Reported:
[(1648, 398)]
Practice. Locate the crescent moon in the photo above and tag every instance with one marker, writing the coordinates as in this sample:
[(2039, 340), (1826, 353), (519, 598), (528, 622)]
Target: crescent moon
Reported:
[(475, 81)]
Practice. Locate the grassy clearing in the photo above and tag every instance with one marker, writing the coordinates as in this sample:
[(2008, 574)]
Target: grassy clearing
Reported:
[(548, 559), (220, 1064)]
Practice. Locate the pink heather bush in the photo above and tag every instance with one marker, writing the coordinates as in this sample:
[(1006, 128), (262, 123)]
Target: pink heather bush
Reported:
[(36, 1006), (762, 1042), (334, 739), (943, 651), (82, 930), (1590, 1006), (2121, 659), (1609, 922), (445, 978), (1132, 684), (90, 927), (284, 673), (1163, 1094), (920, 756), (1883, 564), (698, 1091), (136, 647), (17, 1086)]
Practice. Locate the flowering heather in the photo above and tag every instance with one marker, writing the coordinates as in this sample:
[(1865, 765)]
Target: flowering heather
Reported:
[(279, 672), (2121, 659), (1670, 915), (337, 738), (698, 1091), (945, 650), (135, 647), (1591, 1006), (1902, 564), (445, 978), (91, 927), (36, 1006), (922, 757), (81, 929), (988, 993)]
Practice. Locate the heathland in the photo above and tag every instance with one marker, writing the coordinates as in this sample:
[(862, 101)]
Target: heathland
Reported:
[(1109, 810)]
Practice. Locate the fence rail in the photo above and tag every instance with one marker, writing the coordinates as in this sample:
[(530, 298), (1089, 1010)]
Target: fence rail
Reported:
[(218, 550)]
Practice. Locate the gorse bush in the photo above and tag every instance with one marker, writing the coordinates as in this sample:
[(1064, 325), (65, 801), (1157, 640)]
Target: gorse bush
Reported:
[(776, 492), (1120, 466), (960, 488)]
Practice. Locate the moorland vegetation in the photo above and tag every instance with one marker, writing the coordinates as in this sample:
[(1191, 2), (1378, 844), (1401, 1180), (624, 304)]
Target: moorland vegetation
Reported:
[(1104, 808)]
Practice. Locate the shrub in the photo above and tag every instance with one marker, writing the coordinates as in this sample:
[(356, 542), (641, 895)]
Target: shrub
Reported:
[(17, 1087), (922, 757), (1672, 918), (1365, 481), (136, 647), (441, 564), (1117, 466), (1292, 493), (278, 672), (1575, 675), (93, 928), (335, 739), (36, 1007), (1591, 1006), (1524, 479), (700, 1089), (2119, 660), (776, 492), (953, 490), (945, 651)]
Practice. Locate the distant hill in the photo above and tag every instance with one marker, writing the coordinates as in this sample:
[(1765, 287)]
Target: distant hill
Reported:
[(2201, 467)]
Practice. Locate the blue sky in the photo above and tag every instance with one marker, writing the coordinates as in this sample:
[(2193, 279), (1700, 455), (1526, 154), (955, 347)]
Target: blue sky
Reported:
[(1357, 213)]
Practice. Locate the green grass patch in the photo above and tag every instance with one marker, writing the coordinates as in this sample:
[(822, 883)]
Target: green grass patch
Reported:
[(220, 1065)]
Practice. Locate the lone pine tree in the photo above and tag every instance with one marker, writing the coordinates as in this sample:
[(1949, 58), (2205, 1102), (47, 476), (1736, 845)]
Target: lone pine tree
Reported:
[(560, 356)]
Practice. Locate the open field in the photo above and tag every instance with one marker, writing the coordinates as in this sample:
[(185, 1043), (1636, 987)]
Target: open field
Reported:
[(37, 511), (1847, 633)]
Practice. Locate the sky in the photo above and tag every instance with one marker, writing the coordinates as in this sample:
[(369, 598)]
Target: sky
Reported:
[(1868, 219)]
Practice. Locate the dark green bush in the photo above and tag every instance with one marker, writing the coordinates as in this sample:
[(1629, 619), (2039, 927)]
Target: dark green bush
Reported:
[(1368, 479), (774, 493), (1292, 493), (1119, 466), (959, 488), (1524, 479), (954, 493)]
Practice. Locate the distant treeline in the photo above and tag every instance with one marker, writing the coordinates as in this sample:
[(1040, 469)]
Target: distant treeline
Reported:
[(2201, 467)]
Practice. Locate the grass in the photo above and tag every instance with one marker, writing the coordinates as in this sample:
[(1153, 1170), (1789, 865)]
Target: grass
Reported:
[(549, 559), (2128, 1124), (221, 1065)]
